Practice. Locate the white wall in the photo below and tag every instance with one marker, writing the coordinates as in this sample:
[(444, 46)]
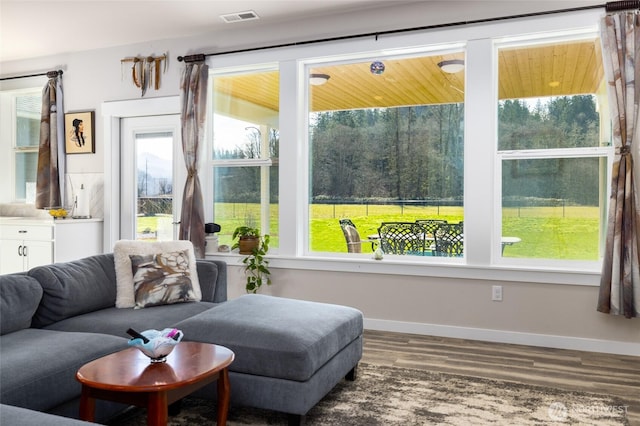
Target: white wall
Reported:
[(538, 314), (531, 313)]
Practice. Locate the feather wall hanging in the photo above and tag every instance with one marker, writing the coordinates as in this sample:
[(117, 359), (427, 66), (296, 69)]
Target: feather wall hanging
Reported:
[(145, 71)]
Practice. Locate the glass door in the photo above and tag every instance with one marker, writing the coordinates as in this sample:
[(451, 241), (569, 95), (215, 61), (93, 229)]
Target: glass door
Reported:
[(153, 175)]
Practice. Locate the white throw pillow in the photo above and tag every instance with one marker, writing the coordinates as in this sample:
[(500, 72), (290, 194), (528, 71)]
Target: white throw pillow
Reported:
[(125, 295)]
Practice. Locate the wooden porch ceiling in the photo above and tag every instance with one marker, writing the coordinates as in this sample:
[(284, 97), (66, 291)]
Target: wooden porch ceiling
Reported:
[(524, 72)]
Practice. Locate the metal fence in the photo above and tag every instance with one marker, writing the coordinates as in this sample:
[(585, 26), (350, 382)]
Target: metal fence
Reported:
[(522, 206), (403, 205)]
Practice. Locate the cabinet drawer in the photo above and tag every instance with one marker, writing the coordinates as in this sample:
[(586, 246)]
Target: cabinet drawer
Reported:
[(26, 232)]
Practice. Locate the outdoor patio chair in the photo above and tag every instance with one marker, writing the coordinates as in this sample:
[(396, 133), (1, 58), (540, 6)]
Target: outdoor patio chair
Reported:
[(449, 240), (402, 238), (430, 226), (352, 236)]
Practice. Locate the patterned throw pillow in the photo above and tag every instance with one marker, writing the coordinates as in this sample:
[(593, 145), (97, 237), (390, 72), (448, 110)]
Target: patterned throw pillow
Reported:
[(122, 249), (161, 279)]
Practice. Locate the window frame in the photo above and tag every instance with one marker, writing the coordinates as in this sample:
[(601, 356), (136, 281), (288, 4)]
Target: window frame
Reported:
[(603, 151), (264, 163), (481, 195), (389, 55), (9, 132)]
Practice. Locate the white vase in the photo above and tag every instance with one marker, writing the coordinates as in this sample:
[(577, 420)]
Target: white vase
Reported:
[(378, 254)]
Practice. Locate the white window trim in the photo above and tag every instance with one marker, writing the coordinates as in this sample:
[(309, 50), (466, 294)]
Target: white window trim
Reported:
[(112, 112), (602, 151), (480, 195), (210, 163)]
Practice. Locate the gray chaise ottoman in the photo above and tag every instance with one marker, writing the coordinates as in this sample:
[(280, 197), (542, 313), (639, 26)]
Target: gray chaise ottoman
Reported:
[(289, 353), (17, 416)]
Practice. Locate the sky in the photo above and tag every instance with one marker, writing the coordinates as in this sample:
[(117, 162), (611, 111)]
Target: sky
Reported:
[(228, 133)]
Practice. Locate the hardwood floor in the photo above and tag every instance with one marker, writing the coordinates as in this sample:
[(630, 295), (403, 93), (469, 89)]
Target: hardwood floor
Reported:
[(615, 375)]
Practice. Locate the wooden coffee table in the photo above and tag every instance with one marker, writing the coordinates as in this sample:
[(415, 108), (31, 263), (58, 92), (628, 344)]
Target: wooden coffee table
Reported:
[(130, 378)]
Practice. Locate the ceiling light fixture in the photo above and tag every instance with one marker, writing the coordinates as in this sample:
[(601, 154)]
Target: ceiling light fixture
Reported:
[(318, 79), (452, 66)]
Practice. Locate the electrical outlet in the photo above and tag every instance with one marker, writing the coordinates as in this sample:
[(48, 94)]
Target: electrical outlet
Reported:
[(496, 293)]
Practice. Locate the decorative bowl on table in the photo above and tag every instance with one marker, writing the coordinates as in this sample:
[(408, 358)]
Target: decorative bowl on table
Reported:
[(156, 344), (58, 213)]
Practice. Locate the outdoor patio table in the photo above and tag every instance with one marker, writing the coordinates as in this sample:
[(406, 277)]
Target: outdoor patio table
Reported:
[(506, 241), (509, 241)]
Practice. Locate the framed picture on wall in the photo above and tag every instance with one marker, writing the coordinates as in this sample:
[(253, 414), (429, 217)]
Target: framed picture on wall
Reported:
[(79, 132)]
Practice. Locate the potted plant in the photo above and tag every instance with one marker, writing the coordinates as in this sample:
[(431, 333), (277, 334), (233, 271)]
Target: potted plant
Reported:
[(248, 238), (256, 266)]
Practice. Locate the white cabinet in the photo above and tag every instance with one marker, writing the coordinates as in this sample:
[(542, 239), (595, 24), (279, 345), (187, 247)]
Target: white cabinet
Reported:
[(27, 243), (25, 246), (77, 238)]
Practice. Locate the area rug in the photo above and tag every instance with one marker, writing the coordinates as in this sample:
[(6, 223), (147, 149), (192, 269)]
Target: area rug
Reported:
[(400, 396)]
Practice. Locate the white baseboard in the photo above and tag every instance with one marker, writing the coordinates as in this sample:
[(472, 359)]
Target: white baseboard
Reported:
[(500, 336)]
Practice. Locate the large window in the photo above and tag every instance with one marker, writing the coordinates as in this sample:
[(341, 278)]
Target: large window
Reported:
[(503, 135), (244, 158), (552, 145), (386, 151)]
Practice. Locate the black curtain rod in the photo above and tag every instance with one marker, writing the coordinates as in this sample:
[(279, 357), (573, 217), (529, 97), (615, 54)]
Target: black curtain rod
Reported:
[(49, 74), (609, 7)]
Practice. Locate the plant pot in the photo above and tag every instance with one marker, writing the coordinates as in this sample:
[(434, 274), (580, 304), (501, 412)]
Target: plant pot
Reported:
[(247, 244)]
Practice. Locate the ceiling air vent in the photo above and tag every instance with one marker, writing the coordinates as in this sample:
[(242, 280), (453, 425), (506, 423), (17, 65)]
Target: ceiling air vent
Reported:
[(239, 16)]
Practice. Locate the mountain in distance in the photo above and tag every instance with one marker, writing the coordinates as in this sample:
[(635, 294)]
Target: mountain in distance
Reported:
[(154, 166)]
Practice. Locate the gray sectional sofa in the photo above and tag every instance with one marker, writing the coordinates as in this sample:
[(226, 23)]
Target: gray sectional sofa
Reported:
[(55, 318)]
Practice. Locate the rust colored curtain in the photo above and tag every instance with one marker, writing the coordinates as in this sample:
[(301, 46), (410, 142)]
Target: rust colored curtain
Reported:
[(620, 279), (193, 99), (50, 174)]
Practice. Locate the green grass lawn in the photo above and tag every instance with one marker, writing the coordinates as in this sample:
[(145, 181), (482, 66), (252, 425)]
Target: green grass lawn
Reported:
[(546, 232)]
